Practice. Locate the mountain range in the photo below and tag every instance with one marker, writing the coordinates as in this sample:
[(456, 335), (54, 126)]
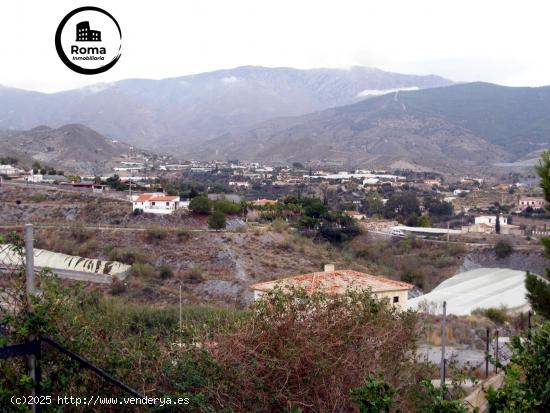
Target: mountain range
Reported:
[(178, 113), (461, 127), (355, 118)]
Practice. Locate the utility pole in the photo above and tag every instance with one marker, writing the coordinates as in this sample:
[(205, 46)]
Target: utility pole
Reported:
[(33, 359), (443, 331)]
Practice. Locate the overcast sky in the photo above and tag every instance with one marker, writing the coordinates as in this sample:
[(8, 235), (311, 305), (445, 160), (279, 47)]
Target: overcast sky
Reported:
[(504, 42)]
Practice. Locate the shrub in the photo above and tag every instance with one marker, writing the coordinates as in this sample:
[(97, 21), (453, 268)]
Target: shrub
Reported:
[(525, 387), (216, 220), (374, 396), (165, 272), (117, 287), (155, 233), (194, 276), (182, 234), (80, 233), (200, 205), (311, 349), (496, 315), (127, 256), (227, 207), (142, 270), (503, 248), (279, 225)]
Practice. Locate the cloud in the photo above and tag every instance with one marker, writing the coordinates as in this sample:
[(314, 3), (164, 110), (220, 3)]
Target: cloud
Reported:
[(231, 79), (378, 92)]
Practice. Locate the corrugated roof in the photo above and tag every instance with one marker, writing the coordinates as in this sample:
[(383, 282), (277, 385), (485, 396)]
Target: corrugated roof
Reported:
[(335, 282)]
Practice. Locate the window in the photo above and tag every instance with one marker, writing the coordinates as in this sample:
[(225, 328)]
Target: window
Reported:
[(168, 203), (396, 299)]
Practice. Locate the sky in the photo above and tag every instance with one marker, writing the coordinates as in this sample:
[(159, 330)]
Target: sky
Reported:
[(504, 42)]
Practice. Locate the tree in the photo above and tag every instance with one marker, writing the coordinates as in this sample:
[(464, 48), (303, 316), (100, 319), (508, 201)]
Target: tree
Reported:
[(200, 205), (424, 221), (526, 385), (216, 220), (402, 204), (497, 223), (193, 193), (374, 205), (538, 290), (538, 294)]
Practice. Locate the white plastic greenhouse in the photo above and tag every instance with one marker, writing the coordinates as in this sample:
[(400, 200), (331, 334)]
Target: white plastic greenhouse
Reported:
[(66, 266), (479, 288)]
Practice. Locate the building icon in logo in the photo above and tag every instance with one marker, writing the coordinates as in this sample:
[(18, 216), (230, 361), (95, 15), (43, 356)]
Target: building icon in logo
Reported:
[(84, 34)]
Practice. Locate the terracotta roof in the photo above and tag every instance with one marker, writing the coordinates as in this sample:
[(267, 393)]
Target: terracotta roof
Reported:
[(144, 197), (266, 202), (154, 197), (336, 282)]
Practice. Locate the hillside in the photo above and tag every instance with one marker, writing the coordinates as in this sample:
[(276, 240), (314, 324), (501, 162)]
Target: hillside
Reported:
[(453, 128), (179, 112), (74, 148)]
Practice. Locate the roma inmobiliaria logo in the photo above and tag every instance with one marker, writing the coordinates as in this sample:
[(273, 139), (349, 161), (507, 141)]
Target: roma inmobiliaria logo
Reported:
[(88, 40)]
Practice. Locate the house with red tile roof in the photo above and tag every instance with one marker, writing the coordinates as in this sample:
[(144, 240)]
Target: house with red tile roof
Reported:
[(261, 202), (156, 203), (336, 282)]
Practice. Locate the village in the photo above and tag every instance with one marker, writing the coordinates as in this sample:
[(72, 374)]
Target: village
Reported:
[(232, 233)]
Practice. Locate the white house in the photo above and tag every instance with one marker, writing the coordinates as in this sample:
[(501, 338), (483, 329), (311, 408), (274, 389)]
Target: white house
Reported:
[(239, 184), (491, 220), (156, 203)]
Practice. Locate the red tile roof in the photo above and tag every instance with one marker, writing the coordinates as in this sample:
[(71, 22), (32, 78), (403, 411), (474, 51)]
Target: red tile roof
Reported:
[(336, 282), (155, 197), (266, 202)]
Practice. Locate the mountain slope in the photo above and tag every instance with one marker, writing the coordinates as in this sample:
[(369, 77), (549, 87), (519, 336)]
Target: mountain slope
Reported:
[(460, 126), (75, 148), (181, 112)]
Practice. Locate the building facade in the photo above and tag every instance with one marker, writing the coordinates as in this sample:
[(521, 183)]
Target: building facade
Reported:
[(337, 282), (156, 203)]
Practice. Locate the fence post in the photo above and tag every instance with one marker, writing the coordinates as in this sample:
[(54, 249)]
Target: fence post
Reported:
[(487, 334), (496, 351), (443, 331), (33, 360)]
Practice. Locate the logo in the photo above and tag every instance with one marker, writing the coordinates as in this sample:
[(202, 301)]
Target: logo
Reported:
[(88, 40)]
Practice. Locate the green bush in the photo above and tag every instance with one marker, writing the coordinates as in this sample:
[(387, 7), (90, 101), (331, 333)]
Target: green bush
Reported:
[(155, 233), (200, 205), (142, 270), (126, 255), (165, 272), (216, 220), (227, 207), (496, 315), (503, 249), (526, 384), (374, 396)]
